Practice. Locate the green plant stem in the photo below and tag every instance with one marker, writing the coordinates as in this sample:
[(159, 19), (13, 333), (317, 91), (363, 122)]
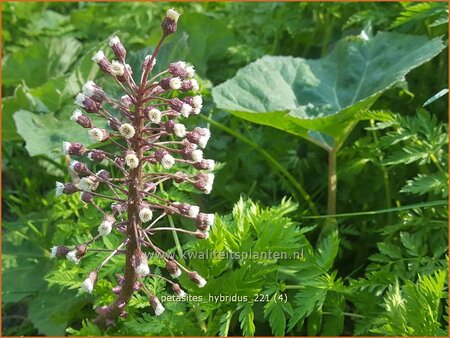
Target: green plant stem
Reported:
[(376, 212), (271, 160), (176, 239), (332, 181)]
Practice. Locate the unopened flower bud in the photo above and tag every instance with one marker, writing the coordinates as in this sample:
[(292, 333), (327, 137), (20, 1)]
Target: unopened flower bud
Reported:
[(73, 148), (114, 124), (156, 305), (80, 168), (178, 291), (98, 135), (103, 175), (187, 209), (127, 130), (188, 85), (178, 69), (94, 92), (187, 149), (180, 177), (163, 157), (96, 155), (82, 120), (204, 182), (205, 165), (86, 197), (169, 23), (203, 221), (59, 251), (179, 106), (100, 59), (194, 101), (76, 255), (131, 159), (89, 282), (141, 264), (87, 103), (197, 279), (172, 269), (199, 136), (117, 47), (201, 234), (105, 227), (126, 101), (65, 188)]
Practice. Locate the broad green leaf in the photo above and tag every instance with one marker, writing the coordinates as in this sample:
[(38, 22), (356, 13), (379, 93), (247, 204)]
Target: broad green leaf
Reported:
[(318, 99), (44, 134), (40, 62), (205, 44)]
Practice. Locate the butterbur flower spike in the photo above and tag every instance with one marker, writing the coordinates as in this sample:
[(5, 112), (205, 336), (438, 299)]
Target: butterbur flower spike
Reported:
[(149, 145)]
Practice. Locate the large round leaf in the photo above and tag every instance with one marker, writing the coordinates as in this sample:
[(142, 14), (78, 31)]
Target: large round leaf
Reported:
[(318, 99)]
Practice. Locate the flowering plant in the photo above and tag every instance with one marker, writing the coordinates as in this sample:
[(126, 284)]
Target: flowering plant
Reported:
[(145, 129)]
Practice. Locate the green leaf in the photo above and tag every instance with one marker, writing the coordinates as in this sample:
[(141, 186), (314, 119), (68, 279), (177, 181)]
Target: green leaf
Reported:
[(333, 323), (327, 251), (44, 134), (52, 311), (432, 183), (205, 45), (40, 62), (317, 99), (246, 318), (277, 319)]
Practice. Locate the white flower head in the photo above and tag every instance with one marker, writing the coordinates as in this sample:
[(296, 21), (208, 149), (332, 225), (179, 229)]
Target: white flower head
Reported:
[(179, 129), (176, 274), (105, 228), (154, 115), (54, 250), (59, 189), (203, 141), (145, 214), (167, 161), (87, 285), (185, 110), (117, 68), (196, 111), (98, 56), (210, 164), (66, 147), (209, 184), (181, 64), (209, 219), (114, 40), (172, 14), (193, 211), (201, 282), (197, 101), (79, 99), (127, 130), (142, 269), (182, 294), (76, 115), (72, 257), (175, 83), (197, 155), (191, 73), (96, 134), (131, 160), (89, 88), (86, 184)]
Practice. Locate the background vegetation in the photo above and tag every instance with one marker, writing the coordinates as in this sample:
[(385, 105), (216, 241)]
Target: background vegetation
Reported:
[(379, 269)]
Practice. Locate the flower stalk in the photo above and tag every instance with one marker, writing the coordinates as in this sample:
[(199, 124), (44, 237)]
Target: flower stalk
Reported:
[(145, 127)]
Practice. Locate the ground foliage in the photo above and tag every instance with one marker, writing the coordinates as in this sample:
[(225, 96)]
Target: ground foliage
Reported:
[(383, 272)]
